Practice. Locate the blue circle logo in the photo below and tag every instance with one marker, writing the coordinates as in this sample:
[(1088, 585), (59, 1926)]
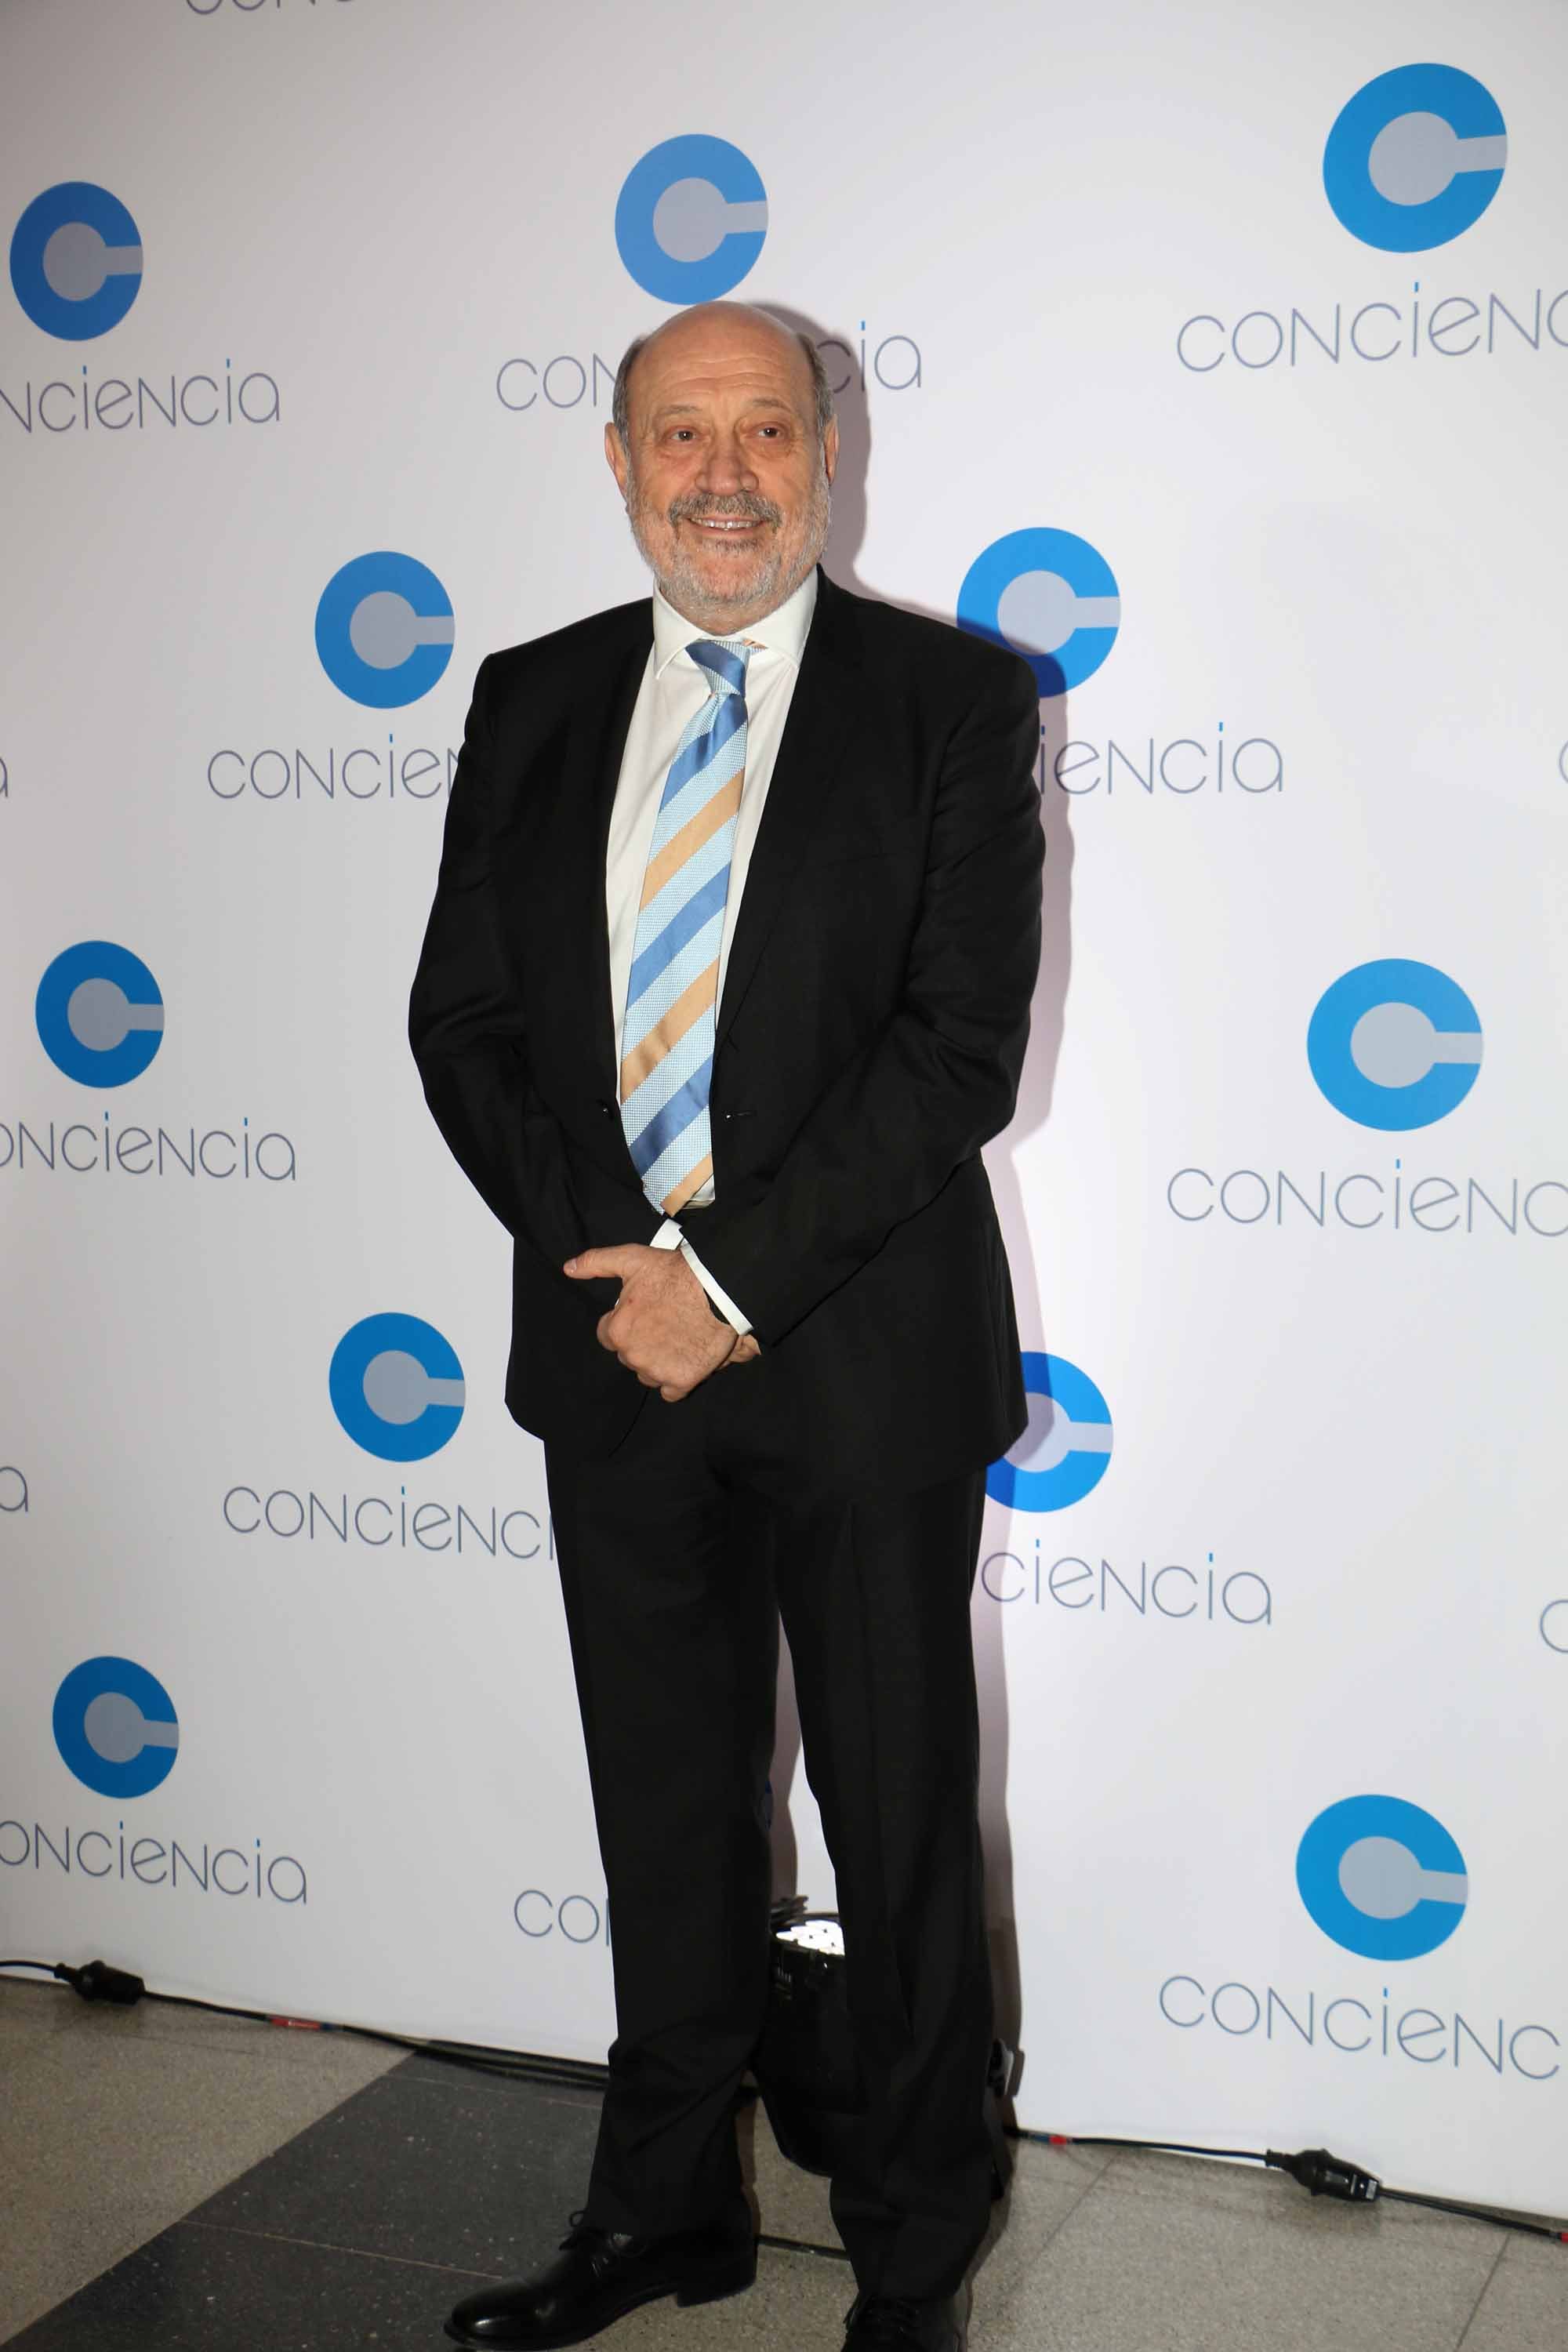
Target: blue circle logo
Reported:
[(397, 1386), (116, 1727), (1394, 1044), (1048, 596), (99, 1014), (384, 629), (690, 218), (76, 261), (1065, 1451), (1381, 1878), (1416, 158)]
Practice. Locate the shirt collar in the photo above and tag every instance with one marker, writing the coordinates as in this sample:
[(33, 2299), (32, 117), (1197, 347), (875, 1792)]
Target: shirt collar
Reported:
[(782, 630)]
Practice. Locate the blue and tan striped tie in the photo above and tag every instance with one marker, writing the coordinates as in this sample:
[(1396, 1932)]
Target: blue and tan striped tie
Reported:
[(667, 1045)]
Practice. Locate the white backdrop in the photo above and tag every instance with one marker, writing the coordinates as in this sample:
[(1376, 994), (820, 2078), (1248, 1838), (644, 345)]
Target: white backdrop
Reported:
[(1080, 276)]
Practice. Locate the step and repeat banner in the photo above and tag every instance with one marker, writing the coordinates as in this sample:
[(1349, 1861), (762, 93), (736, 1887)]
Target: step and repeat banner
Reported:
[(1213, 358)]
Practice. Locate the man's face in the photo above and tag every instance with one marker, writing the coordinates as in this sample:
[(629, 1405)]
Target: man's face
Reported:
[(725, 481)]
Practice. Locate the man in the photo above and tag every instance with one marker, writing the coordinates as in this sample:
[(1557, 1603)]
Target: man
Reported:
[(726, 983)]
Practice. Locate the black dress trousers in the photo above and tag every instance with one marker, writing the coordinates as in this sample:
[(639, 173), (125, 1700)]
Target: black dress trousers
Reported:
[(678, 1557)]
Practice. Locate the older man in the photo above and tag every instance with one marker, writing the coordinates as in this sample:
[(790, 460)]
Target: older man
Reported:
[(726, 984)]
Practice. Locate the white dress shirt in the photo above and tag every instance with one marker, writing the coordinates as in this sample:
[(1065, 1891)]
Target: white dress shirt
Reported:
[(673, 689)]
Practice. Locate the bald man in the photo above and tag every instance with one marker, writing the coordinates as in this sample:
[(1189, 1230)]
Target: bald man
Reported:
[(726, 983)]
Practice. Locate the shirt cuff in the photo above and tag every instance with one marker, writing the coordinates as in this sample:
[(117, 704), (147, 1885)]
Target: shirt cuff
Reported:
[(722, 1299), (669, 1236)]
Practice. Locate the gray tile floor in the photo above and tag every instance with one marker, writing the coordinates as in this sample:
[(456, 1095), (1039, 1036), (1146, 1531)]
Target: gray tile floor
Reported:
[(356, 2223)]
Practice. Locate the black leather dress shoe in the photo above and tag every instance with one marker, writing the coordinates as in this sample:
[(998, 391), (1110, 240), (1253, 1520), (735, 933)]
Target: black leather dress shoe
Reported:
[(884, 2323), (598, 2275)]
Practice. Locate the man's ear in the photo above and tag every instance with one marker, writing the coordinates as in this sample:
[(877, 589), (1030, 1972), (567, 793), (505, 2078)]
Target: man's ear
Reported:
[(616, 457), (830, 448)]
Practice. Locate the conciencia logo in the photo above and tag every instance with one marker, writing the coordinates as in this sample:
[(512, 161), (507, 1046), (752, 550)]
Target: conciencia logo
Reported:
[(115, 1727), (99, 1014), (1045, 594), (1414, 158), (76, 261), (384, 629), (117, 1732), (1384, 1879), (1381, 1877), (1394, 1044), (397, 1387), (1065, 1451), (1411, 161), (690, 218)]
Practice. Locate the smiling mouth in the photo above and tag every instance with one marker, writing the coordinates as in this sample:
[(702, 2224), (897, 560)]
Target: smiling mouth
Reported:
[(725, 526)]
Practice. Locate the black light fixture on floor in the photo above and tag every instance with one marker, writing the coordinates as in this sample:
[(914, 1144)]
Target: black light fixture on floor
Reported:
[(806, 2065)]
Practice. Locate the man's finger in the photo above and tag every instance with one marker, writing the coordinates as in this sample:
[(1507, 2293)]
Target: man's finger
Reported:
[(617, 1263)]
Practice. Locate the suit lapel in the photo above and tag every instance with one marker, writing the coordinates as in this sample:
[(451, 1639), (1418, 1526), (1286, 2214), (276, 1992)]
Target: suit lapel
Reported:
[(817, 732)]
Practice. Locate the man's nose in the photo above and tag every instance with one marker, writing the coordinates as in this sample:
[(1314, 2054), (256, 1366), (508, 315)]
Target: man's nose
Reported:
[(726, 467)]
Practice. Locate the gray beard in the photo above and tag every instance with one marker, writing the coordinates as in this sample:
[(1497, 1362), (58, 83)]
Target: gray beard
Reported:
[(769, 582)]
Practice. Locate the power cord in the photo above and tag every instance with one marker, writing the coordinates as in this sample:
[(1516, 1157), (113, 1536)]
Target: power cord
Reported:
[(99, 1982), (1319, 2172)]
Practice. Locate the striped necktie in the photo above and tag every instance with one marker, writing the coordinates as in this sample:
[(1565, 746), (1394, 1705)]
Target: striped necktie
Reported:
[(667, 1045)]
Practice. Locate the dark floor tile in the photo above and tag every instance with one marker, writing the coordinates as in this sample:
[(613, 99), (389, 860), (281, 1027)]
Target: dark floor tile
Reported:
[(427, 2165), (201, 2290)]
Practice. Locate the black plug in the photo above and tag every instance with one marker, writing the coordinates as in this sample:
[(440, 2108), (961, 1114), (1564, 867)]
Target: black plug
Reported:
[(1327, 2176), (98, 1981)]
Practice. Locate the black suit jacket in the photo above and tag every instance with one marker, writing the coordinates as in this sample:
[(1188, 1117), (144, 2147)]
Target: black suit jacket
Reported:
[(869, 1039)]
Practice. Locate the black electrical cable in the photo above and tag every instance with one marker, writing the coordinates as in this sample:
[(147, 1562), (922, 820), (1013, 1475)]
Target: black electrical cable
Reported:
[(514, 2064), (1159, 2146), (1476, 2213), (1319, 2173), (92, 1981)]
